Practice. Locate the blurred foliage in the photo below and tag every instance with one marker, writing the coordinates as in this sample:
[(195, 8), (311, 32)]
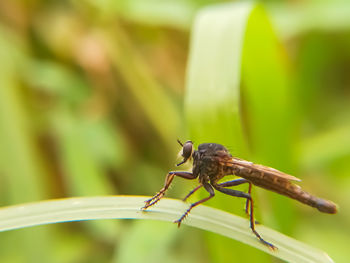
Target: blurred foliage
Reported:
[(91, 103)]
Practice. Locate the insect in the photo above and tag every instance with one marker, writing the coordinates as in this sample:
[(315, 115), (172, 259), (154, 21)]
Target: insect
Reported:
[(211, 162)]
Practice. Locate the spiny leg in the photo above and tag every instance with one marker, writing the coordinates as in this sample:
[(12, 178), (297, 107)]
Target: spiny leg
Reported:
[(251, 216), (168, 179), (207, 187)]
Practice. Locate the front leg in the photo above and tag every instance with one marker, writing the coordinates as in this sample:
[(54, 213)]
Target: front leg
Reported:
[(168, 179)]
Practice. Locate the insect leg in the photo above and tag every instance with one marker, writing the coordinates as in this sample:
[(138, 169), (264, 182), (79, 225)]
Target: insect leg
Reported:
[(248, 201), (168, 179), (234, 182), (224, 184), (238, 182), (192, 192), (251, 217), (207, 187)]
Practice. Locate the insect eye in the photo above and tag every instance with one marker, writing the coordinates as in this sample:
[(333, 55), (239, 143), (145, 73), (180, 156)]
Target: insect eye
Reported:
[(187, 150)]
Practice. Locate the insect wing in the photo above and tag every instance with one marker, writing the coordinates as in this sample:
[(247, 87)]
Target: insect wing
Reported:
[(232, 161), (264, 169)]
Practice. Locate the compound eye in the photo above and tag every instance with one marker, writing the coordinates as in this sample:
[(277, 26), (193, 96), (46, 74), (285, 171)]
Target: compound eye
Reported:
[(187, 150)]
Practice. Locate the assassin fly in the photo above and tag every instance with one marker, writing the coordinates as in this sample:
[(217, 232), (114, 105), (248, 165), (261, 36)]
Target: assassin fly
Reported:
[(211, 162)]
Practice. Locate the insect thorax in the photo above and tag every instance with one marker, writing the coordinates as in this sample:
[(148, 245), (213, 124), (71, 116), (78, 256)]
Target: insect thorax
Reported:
[(206, 164)]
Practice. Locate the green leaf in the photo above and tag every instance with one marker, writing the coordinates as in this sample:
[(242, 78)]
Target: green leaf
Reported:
[(214, 69), (238, 94), (128, 207)]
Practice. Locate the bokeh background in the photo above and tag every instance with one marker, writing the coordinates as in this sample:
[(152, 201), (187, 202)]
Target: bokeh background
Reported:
[(92, 102)]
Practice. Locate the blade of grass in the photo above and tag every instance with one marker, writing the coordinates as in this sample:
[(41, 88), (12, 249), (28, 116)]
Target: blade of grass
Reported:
[(268, 108), (237, 95), (128, 207), (213, 76)]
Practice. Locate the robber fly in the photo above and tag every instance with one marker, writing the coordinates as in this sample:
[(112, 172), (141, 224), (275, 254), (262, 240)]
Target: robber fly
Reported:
[(212, 161)]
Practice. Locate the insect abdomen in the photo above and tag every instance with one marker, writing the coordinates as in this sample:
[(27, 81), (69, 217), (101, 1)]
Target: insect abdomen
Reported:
[(285, 187), (294, 191)]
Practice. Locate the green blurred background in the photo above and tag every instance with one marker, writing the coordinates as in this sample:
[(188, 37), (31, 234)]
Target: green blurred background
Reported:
[(92, 101)]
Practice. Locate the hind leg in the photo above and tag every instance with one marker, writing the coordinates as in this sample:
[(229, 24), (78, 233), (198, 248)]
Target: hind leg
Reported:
[(251, 214)]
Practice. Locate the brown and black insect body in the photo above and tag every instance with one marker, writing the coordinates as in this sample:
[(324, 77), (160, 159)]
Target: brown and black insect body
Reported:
[(211, 162)]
